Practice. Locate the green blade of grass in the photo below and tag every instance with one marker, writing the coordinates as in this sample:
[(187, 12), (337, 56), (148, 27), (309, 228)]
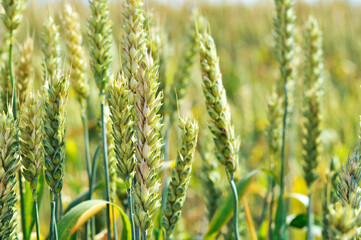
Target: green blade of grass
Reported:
[(84, 211)]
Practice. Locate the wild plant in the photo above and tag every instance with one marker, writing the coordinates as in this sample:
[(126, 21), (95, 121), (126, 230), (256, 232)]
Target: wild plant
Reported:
[(227, 145), (100, 39)]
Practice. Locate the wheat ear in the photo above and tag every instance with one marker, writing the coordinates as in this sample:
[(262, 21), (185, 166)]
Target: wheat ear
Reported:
[(227, 145), (31, 149), (9, 162), (54, 138), (76, 56), (100, 39), (25, 69), (149, 145), (180, 176), (51, 48)]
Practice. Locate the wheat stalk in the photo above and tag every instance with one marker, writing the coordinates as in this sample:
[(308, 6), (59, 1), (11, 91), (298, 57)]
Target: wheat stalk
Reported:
[(31, 148), (100, 39), (227, 145), (9, 162), (54, 138), (180, 176)]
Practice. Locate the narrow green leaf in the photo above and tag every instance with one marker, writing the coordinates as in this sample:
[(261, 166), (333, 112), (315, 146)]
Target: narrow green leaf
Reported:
[(29, 205), (81, 213), (225, 211)]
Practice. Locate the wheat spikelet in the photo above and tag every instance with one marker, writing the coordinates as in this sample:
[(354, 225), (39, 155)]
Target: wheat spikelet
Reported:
[(51, 49), (12, 14), (123, 130), (348, 190), (54, 131), (149, 144), (274, 127), (134, 42), (24, 71), (76, 58), (285, 43), (343, 221), (313, 54), (112, 162), (31, 139), (100, 39), (9, 162), (180, 176), (223, 132)]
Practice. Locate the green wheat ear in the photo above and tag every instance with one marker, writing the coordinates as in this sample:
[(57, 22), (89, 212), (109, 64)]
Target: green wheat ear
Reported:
[(25, 69), (9, 162), (100, 41), (149, 144), (180, 176), (51, 48), (54, 131), (123, 129), (31, 127), (227, 145), (76, 56)]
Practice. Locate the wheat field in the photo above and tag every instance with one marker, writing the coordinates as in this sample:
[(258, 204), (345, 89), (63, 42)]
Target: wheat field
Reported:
[(132, 119)]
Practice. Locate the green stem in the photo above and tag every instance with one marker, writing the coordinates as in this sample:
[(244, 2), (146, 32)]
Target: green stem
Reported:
[(114, 222), (87, 158), (36, 215), (130, 206), (106, 165), (60, 206), (309, 218), (144, 235), (270, 217), (235, 206), (52, 219), (91, 187)]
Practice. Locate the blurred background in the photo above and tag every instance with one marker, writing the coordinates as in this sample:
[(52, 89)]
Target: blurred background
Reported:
[(243, 32)]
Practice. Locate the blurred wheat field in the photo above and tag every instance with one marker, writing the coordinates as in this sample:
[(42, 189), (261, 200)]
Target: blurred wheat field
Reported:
[(244, 37)]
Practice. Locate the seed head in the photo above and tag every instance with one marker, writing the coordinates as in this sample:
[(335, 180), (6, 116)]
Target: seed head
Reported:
[(76, 56), (100, 39), (9, 162), (149, 144), (24, 71), (31, 148), (180, 176), (54, 131), (123, 129), (51, 49), (216, 101)]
